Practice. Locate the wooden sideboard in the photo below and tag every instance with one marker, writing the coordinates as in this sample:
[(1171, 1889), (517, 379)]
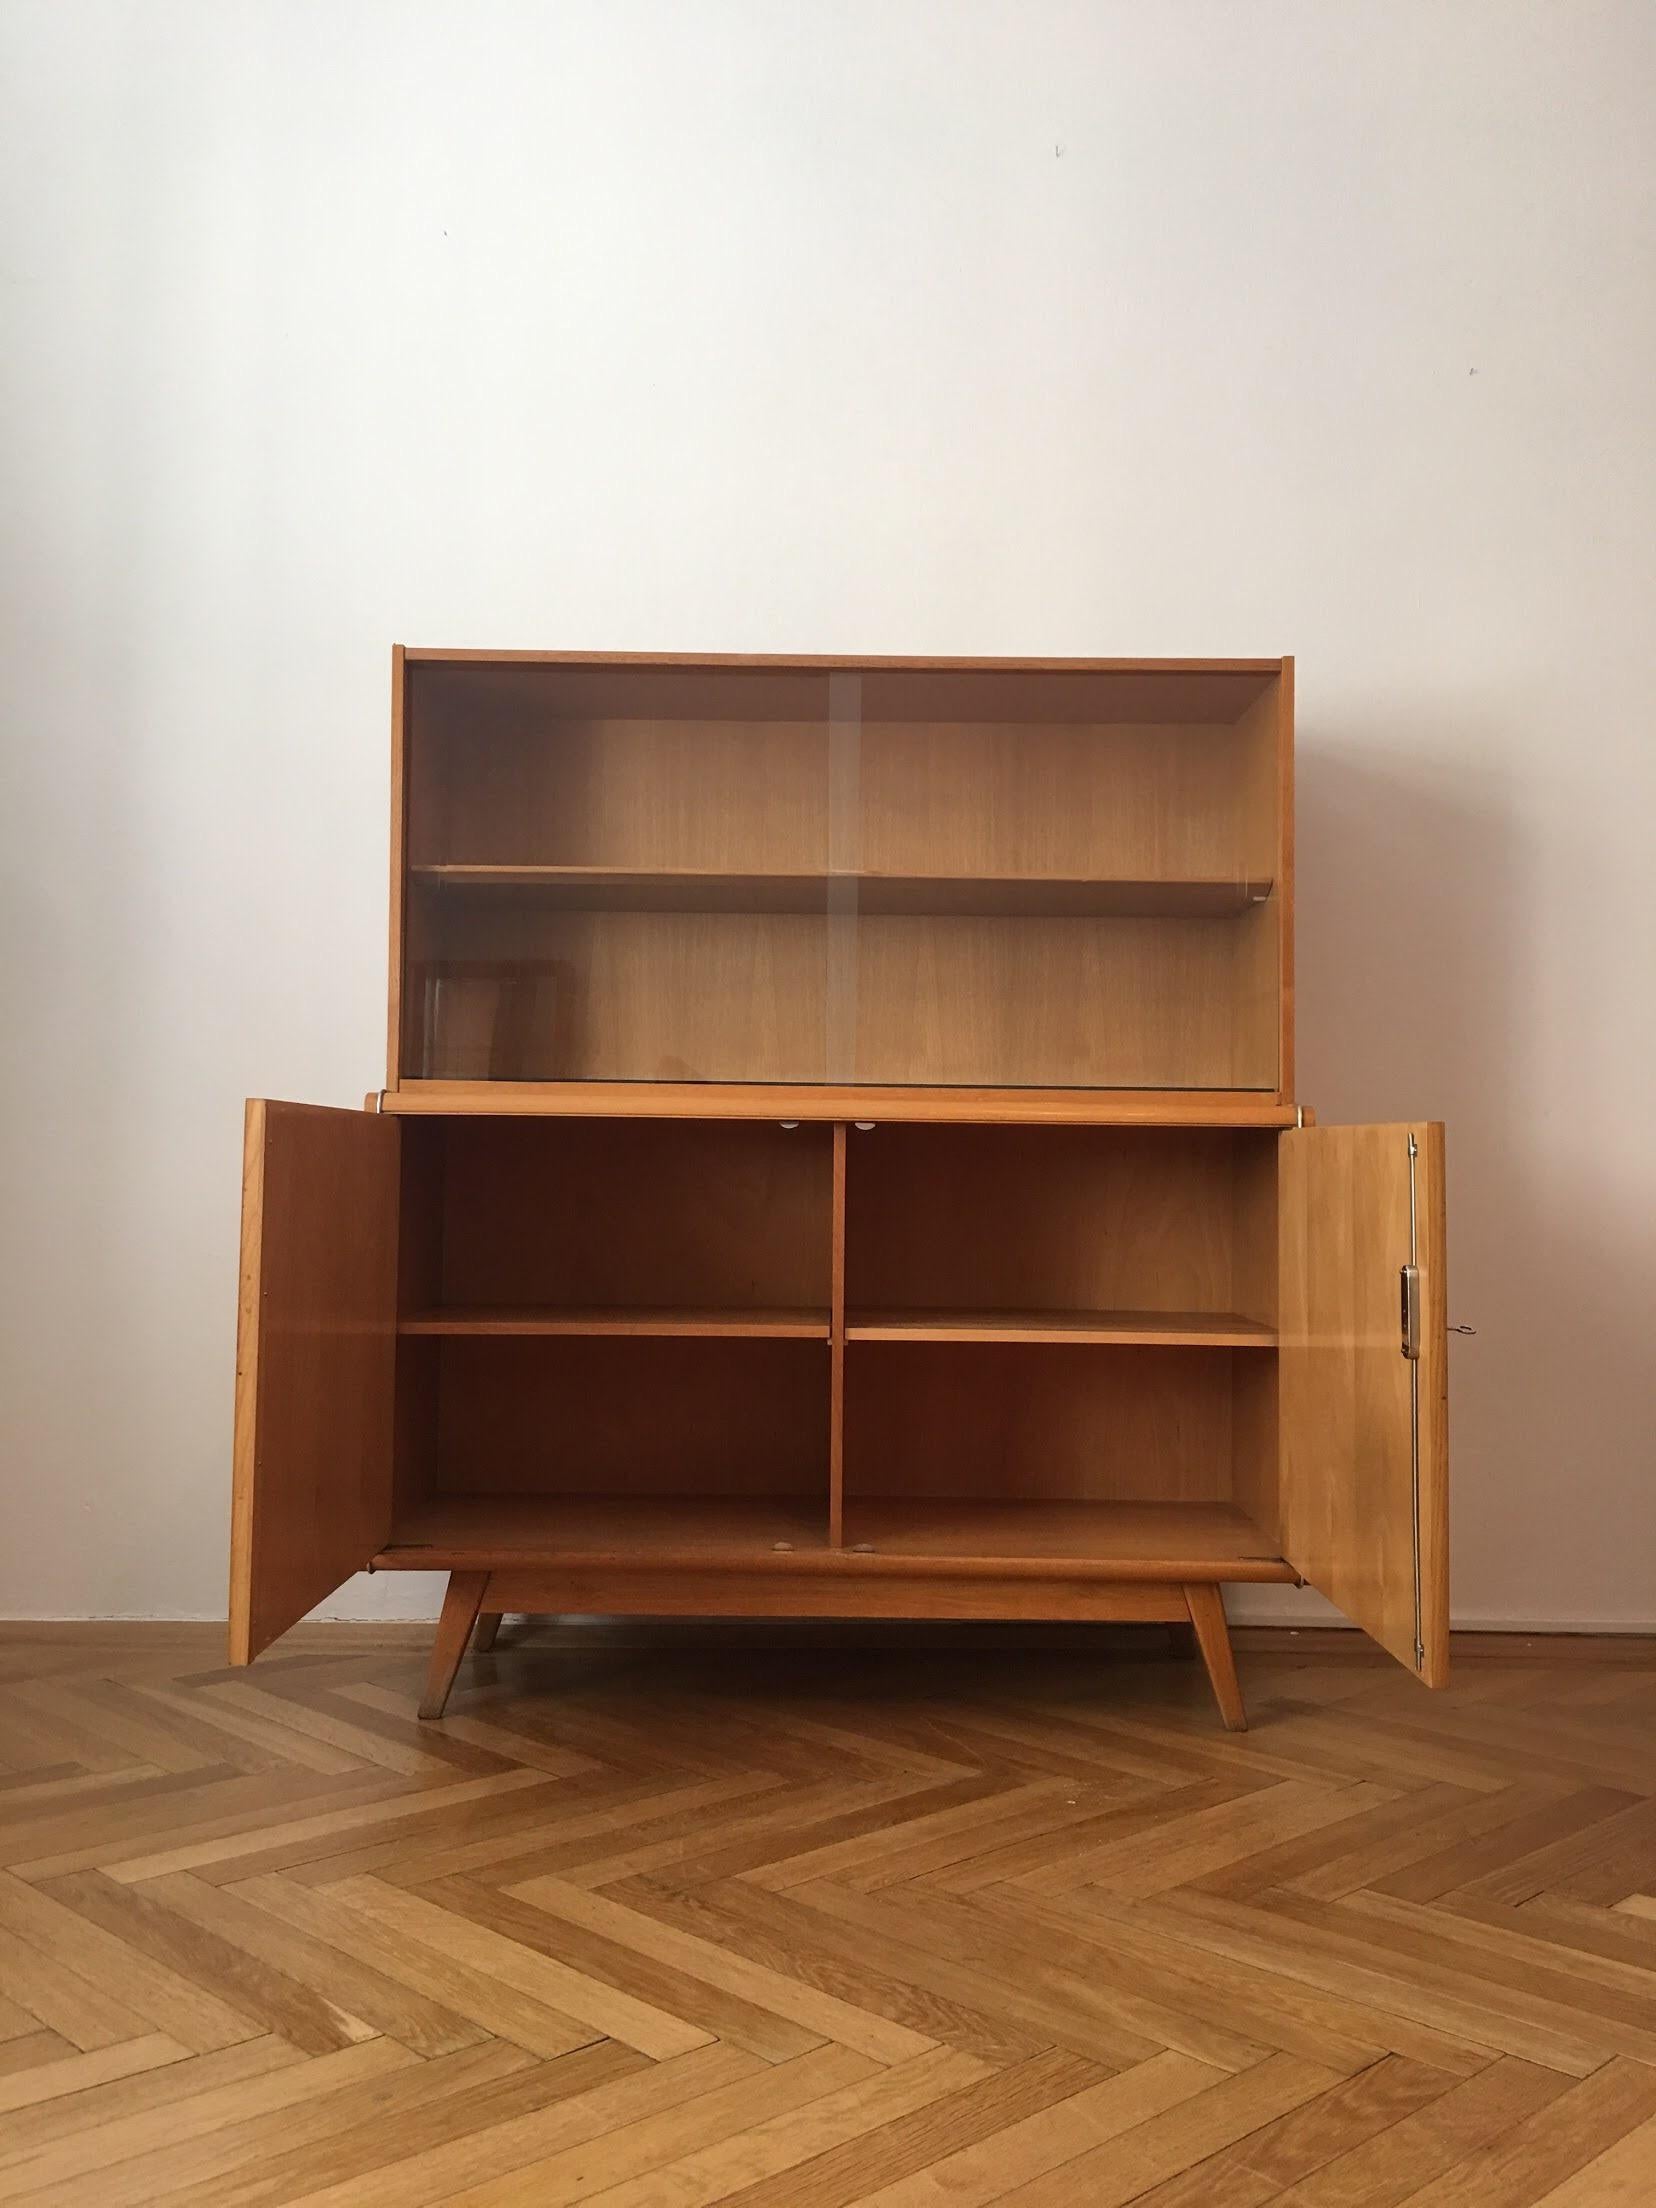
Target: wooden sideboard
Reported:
[(839, 1157)]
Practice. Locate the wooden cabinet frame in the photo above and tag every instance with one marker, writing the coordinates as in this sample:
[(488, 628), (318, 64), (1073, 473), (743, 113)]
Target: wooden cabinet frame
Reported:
[(803, 1347), (826, 847)]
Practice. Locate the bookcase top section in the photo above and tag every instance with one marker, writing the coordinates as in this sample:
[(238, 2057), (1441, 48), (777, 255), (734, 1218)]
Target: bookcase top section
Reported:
[(627, 870), (732, 686)]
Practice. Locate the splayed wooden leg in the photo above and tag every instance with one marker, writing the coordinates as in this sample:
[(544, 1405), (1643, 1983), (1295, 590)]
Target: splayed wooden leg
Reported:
[(454, 1628), (1207, 1615)]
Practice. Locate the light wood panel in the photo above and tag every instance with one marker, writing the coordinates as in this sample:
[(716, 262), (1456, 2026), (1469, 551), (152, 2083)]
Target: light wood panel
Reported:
[(1145, 1329), (898, 1104), (1255, 1459), (618, 1215), (924, 1420), (1034, 895), (627, 888), (1254, 1380), (739, 685), (454, 1532), (419, 1287), (641, 1416), (1357, 1504), (510, 786), (911, 1593), (314, 1361), (1176, 1540), (1266, 954), (793, 1325), (947, 1001), (500, 1017), (788, 1534), (400, 782), (638, 996), (836, 1363), (1157, 803), (988, 1003), (1254, 994), (1062, 1220)]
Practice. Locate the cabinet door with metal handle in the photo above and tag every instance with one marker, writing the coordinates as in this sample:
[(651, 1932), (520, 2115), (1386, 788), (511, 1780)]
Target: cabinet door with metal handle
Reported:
[(1363, 1407)]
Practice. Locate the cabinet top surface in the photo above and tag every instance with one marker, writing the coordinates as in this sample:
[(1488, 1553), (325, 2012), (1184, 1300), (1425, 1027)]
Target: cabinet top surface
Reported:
[(838, 688), (483, 656)]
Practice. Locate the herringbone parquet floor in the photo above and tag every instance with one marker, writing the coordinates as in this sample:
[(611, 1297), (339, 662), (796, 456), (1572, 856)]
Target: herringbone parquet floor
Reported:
[(926, 1920)]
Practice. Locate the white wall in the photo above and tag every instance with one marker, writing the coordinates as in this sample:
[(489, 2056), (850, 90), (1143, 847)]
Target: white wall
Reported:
[(838, 325)]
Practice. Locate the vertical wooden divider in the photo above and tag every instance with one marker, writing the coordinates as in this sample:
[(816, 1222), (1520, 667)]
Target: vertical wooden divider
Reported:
[(399, 863), (836, 1350)]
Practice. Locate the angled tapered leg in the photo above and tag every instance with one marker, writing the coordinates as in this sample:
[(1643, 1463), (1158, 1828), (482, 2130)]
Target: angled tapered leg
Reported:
[(460, 1607), (488, 1625), (1207, 1615)]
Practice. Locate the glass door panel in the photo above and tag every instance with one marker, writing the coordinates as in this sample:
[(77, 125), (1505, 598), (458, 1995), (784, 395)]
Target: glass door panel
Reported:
[(899, 875), (1061, 880), (616, 874)]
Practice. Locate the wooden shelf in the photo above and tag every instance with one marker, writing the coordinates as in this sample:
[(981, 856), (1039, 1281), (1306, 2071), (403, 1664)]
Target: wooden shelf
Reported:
[(450, 1532), (1179, 1540), (1053, 897), (819, 1101), (1031, 896), (788, 1534), (1146, 1329), (632, 889), (788, 1325)]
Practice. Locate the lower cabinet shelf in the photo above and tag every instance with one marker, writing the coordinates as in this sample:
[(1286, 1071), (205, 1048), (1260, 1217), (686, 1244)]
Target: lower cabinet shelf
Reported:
[(1182, 1540), (1174, 1541), (1140, 1329), (454, 1531), (805, 1325)]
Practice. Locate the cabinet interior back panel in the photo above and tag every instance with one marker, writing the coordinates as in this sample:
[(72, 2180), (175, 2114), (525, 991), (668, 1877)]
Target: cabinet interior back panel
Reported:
[(1091, 804), (901, 1000), (1151, 803), (1023, 1424), (742, 796), (553, 1416), (1061, 1003), (627, 996), (1061, 1219), (716, 1215)]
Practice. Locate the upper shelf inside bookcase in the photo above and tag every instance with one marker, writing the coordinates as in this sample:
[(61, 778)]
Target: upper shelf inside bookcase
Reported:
[(988, 874)]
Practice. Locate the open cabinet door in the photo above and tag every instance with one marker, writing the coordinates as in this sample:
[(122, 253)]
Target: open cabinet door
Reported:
[(1363, 1372), (315, 1362)]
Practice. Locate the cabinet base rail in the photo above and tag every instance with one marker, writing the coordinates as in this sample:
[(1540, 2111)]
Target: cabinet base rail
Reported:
[(476, 1601)]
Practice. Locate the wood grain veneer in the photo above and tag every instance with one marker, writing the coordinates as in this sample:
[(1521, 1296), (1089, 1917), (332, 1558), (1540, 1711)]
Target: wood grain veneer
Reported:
[(315, 1361)]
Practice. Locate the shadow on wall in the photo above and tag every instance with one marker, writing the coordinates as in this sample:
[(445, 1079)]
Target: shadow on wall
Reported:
[(1424, 971)]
